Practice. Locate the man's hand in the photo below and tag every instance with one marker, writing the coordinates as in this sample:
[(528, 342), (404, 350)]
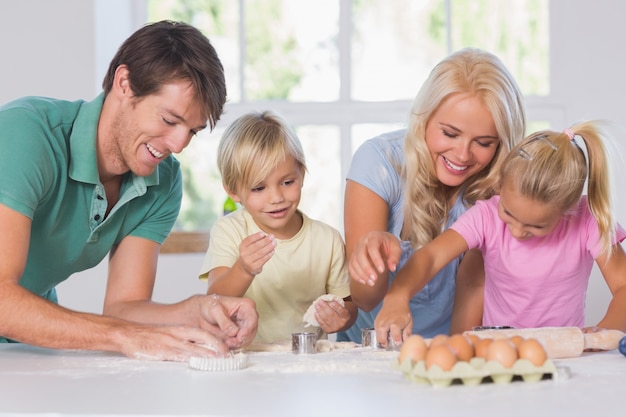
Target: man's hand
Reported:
[(233, 319)]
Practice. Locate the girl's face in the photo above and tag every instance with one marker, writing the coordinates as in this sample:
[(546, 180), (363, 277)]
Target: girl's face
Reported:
[(273, 202), (526, 218), (462, 138)]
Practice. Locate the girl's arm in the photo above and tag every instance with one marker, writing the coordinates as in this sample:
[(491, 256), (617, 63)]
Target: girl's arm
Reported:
[(613, 270), (468, 295), (422, 266)]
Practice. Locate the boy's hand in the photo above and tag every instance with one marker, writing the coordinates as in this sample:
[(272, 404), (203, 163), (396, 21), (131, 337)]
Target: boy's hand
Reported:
[(331, 316), (255, 250)]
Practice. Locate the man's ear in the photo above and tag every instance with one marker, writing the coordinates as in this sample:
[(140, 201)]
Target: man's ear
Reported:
[(121, 82)]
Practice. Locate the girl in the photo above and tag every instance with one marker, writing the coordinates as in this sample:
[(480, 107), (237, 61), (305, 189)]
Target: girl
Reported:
[(270, 251), (539, 238), (413, 183)]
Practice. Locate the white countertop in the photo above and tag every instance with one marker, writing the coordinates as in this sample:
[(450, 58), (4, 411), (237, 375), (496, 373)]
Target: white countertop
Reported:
[(346, 382)]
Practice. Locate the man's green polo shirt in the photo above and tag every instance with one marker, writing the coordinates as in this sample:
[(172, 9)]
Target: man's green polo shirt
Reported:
[(48, 172)]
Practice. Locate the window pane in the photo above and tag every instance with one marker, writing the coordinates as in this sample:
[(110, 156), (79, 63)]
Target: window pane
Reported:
[(218, 20), (203, 194), (394, 47), (291, 50), (322, 191), (515, 30)]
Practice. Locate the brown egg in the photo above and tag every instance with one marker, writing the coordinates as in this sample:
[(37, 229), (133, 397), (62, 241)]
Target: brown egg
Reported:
[(503, 351), (462, 346), (532, 350), (414, 347), (438, 339), (516, 340), (480, 348), (473, 338), (441, 355)]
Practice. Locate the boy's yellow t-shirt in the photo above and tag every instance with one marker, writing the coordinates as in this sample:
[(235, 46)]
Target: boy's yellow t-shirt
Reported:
[(310, 264)]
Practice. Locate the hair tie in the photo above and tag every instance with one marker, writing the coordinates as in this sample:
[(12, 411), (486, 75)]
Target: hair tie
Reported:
[(569, 133)]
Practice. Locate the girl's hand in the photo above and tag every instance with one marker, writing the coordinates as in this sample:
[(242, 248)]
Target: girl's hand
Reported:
[(592, 329), (255, 250), (375, 252), (393, 320)]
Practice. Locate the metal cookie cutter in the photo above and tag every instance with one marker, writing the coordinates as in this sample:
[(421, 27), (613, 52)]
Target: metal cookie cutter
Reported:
[(368, 339), (303, 342)]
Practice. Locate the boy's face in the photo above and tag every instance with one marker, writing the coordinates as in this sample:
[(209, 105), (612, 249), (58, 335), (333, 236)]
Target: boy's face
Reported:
[(273, 202)]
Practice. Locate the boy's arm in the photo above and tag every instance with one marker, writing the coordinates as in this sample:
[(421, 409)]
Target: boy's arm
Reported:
[(468, 296), (229, 281), (254, 251)]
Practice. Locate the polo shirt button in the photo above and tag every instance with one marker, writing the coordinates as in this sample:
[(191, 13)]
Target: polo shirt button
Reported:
[(100, 197), (96, 217)]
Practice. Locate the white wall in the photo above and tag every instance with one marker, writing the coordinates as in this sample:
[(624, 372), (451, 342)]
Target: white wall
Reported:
[(176, 280), (588, 82), (49, 48)]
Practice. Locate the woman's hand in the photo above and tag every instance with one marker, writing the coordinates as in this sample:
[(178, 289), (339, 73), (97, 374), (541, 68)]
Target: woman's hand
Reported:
[(374, 253)]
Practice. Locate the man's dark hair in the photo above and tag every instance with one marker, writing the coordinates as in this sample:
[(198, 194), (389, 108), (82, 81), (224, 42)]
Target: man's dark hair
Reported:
[(167, 51)]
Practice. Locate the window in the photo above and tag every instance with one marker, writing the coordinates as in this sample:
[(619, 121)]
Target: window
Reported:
[(342, 71)]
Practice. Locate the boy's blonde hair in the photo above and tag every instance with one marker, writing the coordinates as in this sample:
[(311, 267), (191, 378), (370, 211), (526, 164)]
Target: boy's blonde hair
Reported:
[(253, 146), (482, 75), (550, 167)]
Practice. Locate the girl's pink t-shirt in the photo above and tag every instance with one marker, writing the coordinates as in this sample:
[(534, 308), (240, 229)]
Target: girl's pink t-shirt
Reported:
[(538, 282)]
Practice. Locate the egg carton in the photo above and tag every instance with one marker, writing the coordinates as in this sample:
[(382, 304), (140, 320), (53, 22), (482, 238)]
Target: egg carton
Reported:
[(476, 371)]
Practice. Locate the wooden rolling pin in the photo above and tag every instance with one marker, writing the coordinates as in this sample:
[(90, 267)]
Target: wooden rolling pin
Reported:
[(560, 342)]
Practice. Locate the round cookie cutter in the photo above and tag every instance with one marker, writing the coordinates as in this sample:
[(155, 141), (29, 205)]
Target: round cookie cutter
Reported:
[(304, 342), (368, 340)]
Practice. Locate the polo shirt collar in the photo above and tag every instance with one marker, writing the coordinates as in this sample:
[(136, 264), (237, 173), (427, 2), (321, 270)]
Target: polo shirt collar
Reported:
[(83, 162)]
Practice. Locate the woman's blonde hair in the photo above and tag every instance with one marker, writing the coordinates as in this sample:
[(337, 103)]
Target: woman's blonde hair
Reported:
[(253, 146), (550, 167), (482, 75)]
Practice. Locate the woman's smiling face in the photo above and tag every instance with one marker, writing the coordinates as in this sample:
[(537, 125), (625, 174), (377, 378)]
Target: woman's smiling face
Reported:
[(462, 138)]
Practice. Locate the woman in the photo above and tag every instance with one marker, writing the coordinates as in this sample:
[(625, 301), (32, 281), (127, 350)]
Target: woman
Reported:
[(464, 120)]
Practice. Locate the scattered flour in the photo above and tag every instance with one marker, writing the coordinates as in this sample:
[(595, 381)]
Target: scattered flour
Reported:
[(340, 361)]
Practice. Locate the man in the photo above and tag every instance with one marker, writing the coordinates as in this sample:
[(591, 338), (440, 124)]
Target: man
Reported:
[(80, 180)]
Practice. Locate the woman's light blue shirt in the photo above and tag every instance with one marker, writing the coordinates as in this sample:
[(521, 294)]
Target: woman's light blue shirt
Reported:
[(375, 165)]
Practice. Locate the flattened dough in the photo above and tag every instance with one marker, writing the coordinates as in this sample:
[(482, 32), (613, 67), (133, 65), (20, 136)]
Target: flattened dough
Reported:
[(309, 316)]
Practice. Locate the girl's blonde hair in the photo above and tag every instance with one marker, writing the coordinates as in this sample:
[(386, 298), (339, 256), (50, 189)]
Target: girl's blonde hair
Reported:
[(253, 146), (484, 76), (550, 167)]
